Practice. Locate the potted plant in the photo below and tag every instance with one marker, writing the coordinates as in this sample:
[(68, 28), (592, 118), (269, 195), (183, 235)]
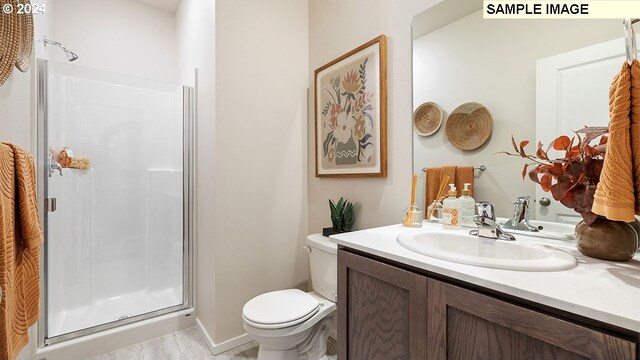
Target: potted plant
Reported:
[(342, 216), (572, 179)]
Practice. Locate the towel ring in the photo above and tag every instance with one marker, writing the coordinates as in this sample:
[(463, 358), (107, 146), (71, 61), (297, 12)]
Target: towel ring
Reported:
[(630, 40)]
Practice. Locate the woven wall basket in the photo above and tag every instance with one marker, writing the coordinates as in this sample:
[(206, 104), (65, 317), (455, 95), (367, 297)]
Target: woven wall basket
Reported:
[(427, 119), (25, 42), (469, 126), (9, 38)]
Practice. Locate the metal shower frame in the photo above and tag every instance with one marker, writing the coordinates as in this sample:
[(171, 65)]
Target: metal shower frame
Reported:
[(189, 118)]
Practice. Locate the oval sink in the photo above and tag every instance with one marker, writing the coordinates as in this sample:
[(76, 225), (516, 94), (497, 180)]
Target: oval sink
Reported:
[(471, 250)]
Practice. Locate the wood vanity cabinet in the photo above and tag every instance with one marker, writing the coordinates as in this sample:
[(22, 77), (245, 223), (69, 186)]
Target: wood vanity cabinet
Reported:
[(464, 324), (387, 312), (384, 315)]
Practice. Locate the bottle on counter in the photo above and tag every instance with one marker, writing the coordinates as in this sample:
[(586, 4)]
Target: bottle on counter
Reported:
[(435, 209), (467, 207), (451, 210)]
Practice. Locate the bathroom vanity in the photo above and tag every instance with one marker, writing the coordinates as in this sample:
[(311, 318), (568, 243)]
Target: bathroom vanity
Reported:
[(396, 304)]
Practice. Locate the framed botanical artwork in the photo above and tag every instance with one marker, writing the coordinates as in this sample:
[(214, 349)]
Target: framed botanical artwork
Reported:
[(351, 113)]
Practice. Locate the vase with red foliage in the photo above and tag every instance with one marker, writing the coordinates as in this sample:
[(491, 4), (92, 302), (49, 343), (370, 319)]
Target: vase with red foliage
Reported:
[(572, 178)]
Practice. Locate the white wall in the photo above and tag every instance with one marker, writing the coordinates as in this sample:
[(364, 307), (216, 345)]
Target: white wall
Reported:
[(15, 109), (336, 27), (17, 100), (121, 36), (195, 28), (494, 63), (260, 220)]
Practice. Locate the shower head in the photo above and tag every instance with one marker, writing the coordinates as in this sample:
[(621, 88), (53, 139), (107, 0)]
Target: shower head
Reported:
[(71, 56)]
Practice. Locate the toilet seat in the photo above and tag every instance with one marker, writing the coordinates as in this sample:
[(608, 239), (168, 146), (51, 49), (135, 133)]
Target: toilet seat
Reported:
[(280, 309)]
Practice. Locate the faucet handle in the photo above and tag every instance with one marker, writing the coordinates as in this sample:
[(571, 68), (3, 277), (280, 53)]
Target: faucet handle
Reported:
[(52, 163), (486, 210), (522, 200)]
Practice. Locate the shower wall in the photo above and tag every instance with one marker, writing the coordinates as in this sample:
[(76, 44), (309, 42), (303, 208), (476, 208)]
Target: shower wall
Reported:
[(115, 241), (121, 36)]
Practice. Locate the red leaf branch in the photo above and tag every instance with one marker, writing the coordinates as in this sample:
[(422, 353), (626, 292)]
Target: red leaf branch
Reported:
[(572, 177)]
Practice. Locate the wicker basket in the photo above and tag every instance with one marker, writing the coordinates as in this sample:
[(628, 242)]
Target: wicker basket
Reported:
[(25, 42), (469, 126), (9, 40)]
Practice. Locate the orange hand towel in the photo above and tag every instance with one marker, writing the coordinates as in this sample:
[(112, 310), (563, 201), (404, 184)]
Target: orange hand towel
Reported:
[(20, 240), (452, 172), (458, 175), (432, 182), (464, 174), (615, 195)]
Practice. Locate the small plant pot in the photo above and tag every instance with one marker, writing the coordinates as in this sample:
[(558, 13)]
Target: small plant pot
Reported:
[(328, 231), (607, 240)]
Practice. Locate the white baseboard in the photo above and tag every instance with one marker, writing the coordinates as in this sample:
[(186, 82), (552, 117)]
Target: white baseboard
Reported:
[(223, 346)]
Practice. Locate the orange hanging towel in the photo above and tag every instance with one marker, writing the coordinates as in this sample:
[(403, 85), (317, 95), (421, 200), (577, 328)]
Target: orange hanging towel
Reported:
[(458, 175), (618, 191), (432, 183), (20, 240)]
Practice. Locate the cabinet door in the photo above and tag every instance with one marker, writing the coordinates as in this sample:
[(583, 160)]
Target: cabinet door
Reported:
[(467, 325), (381, 311)]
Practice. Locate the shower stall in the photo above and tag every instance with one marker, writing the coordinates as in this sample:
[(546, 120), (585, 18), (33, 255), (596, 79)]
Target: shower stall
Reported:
[(118, 230)]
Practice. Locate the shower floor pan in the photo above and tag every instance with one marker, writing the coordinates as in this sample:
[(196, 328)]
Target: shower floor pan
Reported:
[(113, 309)]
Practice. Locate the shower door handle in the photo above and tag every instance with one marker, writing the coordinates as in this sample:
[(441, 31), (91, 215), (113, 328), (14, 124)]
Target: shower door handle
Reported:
[(50, 204)]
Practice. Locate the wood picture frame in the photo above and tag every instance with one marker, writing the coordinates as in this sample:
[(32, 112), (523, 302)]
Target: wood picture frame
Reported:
[(350, 108)]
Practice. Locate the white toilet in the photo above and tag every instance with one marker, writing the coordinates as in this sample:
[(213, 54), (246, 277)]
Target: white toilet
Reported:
[(291, 324)]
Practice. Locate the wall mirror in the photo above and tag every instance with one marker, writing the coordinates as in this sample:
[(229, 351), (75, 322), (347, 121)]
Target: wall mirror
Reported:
[(538, 79)]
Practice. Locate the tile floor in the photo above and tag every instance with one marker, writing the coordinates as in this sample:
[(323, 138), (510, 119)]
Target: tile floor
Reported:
[(188, 345)]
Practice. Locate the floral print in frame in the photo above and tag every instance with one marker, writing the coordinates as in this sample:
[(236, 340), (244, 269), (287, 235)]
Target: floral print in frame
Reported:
[(350, 113)]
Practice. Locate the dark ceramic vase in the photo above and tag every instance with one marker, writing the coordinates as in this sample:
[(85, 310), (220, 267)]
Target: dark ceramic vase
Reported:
[(636, 226), (607, 240)]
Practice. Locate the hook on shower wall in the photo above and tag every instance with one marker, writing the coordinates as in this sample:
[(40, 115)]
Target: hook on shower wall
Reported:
[(630, 40)]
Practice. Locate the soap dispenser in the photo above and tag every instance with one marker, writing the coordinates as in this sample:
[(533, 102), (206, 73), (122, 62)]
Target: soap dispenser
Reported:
[(451, 210), (467, 207)]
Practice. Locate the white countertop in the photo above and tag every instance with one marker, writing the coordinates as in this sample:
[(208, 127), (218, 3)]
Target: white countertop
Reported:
[(605, 291)]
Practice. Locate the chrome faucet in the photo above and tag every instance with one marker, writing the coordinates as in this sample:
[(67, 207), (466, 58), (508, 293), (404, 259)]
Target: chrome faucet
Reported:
[(520, 218), (487, 225), (53, 165)]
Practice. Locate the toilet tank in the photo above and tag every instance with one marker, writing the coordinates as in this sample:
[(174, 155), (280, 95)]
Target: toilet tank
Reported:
[(323, 260)]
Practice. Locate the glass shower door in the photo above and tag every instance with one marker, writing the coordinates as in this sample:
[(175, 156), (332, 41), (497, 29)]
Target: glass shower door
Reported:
[(116, 223)]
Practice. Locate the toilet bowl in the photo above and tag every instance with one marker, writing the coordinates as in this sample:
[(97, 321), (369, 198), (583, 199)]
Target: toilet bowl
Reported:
[(291, 324)]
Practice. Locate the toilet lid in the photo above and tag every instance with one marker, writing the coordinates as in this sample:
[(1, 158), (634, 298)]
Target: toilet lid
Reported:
[(284, 307)]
